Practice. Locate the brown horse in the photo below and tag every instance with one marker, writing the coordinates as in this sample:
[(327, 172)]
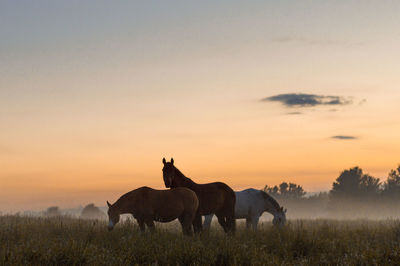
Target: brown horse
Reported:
[(216, 197), (148, 205)]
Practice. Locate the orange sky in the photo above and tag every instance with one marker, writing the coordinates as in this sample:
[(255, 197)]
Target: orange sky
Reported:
[(92, 97)]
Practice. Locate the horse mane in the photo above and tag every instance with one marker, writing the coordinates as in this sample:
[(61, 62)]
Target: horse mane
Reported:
[(179, 172), (271, 200), (181, 175)]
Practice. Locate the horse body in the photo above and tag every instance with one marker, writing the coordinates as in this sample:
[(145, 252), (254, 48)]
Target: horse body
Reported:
[(217, 197), (148, 205), (215, 193), (250, 205)]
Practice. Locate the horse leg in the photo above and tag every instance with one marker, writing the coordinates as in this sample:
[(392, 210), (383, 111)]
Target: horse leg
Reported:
[(150, 225), (141, 225), (186, 223), (229, 213), (197, 226), (222, 221), (254, 222), (207, 221), (248, 222), (231, 223)]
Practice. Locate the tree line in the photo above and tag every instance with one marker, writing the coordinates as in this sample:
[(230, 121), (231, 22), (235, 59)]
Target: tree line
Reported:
[(351, 184)]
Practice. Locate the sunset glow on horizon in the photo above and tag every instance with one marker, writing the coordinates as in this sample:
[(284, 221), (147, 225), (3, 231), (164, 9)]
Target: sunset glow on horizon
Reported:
[(94, 94)]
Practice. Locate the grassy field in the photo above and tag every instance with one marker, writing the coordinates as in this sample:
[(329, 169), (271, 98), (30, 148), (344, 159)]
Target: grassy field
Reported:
[(34, 241)]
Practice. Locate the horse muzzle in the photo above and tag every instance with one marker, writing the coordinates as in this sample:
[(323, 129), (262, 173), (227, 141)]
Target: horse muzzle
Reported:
[(167, 182), (110, 226)]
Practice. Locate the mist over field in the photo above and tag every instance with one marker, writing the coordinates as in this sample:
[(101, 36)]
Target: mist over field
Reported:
[(303, 209), (354, 195)]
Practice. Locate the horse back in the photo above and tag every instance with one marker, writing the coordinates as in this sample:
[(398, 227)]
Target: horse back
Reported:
[(171, 204), (214, 197), (187, 196), (249, 202), (163, 205)]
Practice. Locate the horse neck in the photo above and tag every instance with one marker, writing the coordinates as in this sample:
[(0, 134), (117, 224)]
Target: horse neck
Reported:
[(271, 206), (185, 181), (122, 206), (271, 209)]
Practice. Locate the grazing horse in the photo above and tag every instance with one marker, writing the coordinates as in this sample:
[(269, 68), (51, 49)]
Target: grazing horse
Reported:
[(148, 205), (216, 197), (250, 205)]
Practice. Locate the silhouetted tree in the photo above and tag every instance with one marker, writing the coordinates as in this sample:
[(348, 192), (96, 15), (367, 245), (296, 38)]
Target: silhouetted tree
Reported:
[(52, 211), (296, 191), (391, 187), (273, 191), (370, 186), (92, 212), (283, 189), (353, 183), (286, 190)]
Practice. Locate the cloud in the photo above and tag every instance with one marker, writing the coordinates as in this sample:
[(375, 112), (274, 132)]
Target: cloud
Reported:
[(306, 100), (294, 113), (362, 101), (342, 137)]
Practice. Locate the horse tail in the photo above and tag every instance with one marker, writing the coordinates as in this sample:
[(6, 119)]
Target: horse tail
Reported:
[(231, 221)]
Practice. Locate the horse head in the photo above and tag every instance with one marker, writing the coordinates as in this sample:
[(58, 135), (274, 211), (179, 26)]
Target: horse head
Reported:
[(280, 217), (170, 174), (273, 207), (113, 216)]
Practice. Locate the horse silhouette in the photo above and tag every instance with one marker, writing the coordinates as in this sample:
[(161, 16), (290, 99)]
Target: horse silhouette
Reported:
[(148, 205), (216, 197), (250, 204)]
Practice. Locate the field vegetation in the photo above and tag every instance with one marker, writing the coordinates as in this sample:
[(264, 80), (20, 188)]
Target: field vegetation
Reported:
[(63, 240)]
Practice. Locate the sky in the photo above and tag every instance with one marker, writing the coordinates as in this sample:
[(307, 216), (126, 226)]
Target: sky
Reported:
[(94, 94)]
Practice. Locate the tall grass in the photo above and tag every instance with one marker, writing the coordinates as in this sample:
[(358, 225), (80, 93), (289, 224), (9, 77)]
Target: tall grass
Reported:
[(60, 240)]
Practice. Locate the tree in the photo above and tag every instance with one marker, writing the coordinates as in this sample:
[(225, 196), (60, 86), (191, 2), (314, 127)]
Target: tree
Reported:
[(52, 211), (283, 189), (391, 187), (353, 183), (296, 191), (92, 212), (286, 190), (370, 186), (273, 191)]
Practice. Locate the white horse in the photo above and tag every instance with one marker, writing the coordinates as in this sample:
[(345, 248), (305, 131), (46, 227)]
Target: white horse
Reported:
[(250, 205)]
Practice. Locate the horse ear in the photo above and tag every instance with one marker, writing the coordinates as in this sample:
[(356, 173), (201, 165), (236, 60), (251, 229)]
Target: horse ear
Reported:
[(172, 160), (108, 204), (164, 161)]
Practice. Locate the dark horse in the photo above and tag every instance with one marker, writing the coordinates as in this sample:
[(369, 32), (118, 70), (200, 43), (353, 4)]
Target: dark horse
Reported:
[(148, 205), (216, 197)]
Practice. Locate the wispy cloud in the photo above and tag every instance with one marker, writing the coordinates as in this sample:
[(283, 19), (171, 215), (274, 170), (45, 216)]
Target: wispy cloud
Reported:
[(306, 100), (294, 113), (343, 137), (363, 101)]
